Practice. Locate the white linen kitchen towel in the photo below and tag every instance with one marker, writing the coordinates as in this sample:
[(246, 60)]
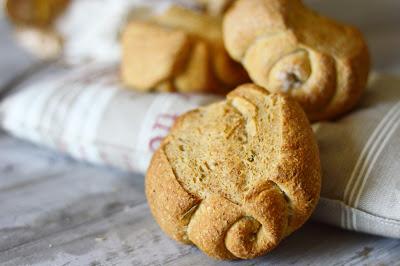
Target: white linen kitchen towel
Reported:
[(360, 155), (84, 112)]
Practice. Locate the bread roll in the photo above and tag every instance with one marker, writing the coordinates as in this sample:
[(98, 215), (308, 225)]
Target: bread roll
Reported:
[(236, 177), (180, 50), (288, 48)]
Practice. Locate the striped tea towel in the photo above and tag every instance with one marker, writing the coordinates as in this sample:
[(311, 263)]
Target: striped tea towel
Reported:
[(85, 113), (360, 156)]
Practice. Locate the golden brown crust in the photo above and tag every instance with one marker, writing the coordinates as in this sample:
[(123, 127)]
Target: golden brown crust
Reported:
[(163, 57), (170, 204), (180, 50), (288, 48), (244, 174)]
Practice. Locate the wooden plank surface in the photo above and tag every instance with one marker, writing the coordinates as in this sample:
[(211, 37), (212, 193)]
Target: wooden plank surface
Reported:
[(56, 211)]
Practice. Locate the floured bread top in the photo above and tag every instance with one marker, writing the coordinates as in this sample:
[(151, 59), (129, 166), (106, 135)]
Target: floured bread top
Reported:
[(227, 148)]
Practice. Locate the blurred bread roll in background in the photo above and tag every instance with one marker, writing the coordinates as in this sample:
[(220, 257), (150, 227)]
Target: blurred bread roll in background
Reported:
[(40, 13), (288, 48), (178, 50)]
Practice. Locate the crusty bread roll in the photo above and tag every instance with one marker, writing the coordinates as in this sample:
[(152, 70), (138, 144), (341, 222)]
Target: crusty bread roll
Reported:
[(289, 48), (180, 50), (236, 177)]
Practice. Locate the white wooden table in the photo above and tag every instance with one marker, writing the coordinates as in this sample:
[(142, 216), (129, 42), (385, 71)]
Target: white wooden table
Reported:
[(56, 211)]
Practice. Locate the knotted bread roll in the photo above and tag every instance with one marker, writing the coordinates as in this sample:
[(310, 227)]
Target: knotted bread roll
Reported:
[(288, 48), (179, 50), (236, 177)]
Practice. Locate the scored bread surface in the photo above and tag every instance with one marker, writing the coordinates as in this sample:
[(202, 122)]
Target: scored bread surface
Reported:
[(236, 177)]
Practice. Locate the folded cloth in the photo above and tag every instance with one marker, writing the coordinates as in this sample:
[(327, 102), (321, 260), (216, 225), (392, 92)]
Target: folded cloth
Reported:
[(85, 113), (360, 156)]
